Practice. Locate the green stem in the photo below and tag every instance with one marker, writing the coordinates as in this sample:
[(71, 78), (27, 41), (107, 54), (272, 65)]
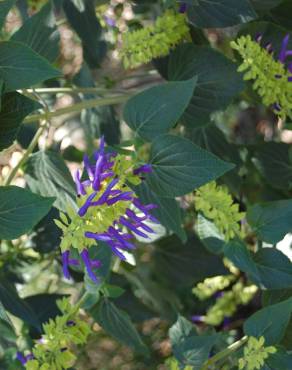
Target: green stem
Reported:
[(82, 300), (225, 353), (70, 90), (29, 150), (78, 107)]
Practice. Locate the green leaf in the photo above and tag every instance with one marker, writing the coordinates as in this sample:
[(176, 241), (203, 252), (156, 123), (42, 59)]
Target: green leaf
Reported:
[(269, 268), (271, 221), (274, 163), (17, 306), (167, 212), (20, 210), (281, 360), (188, 347), (88, 28), (5, 6), (118, 324), (40, 34), (180, 167), (21, 67), (47, 174), (15, 107), (265, 4), (170, 256), (282, 13), (209, 235), (270, 322), (156, 110), (218, 82), (219, 13)]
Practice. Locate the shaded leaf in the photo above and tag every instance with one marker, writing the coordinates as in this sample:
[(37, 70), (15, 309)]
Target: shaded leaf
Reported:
[(271, 221), (218, 82), (263, 322), (15, 107), (21, 67), (118, 324), (20, 210), (47, 174), (219, 13), (88, 28), (40, 34), (5, 6)]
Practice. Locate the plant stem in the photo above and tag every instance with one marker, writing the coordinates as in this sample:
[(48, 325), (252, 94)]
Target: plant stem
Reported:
[(225, 353), (29, 150), (78, 107), (70, 90)]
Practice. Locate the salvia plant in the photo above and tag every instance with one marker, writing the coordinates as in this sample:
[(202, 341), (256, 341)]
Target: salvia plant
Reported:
[(145, 184)]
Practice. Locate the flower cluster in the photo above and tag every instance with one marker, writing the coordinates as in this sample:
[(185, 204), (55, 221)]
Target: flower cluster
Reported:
[(216, 204), (53, 351), (154, 41), (255, 354), (271, 77), (108, 210), (226, 301)]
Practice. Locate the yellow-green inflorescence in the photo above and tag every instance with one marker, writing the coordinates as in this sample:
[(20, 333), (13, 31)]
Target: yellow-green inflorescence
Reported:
[(54, 350), (272, 80), (227, 301), (217, 204), (97, 219), (154, 41), (255, 354)]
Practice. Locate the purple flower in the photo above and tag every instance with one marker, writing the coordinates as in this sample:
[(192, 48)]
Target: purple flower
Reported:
[(24, 359), (197, 318), (109, 21), (103, 189), (182, 8)]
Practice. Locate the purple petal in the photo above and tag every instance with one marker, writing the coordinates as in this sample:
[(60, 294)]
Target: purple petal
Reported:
[(79, 186), (290, 79), (116, 251), (65, 262), (122, 197), (20, 357), (86, 205), (120, 238), (106, 193), (130, 226), (133, 215), (100, 237), (146, 168), (144, 227), (282, 55), (197, 318), (97, 173), (258, 37), (88, 264), (183, 8), (74, 262)]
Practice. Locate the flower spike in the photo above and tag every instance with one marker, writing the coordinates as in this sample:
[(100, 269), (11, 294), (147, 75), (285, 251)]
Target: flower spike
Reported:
[(108, 210)]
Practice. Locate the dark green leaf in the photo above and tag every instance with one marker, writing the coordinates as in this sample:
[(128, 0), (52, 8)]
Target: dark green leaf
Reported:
[(17, 306), (44, 306), (5, 6), (46, 235), (118, 324), (179, 166), (219, 13), (156, 110), (15, 107), (171, 256), (282, 14), (218, 82), (88, 28), (40, 34), (271, 221), (280, 360), (21, 67), (269, 268), (167, 212), (188, 347), (20, 210), (47, 174), (274, 163), (265, 4), (270, 322)]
